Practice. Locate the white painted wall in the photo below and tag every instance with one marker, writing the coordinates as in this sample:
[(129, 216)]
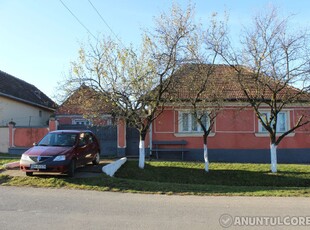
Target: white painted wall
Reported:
[(4, 139), (21, 113)]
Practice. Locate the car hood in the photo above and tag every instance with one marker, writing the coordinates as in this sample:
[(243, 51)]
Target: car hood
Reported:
[(46, 150)]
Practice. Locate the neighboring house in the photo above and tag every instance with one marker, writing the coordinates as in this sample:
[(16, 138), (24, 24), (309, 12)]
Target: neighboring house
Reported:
[(85, 107), (23, 103), (237, 135)]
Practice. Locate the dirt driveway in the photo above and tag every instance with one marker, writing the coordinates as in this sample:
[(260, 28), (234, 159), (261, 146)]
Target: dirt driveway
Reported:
[(83, 172)]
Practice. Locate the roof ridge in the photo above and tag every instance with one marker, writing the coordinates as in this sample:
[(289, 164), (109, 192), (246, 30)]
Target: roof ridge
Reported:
[(18, 79)]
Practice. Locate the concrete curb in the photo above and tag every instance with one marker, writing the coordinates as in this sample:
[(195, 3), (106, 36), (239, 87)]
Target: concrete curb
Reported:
[(11, 165), (111, 168)]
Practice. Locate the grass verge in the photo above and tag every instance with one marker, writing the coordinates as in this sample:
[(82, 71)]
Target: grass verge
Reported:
[(7, 158), (185, 178)]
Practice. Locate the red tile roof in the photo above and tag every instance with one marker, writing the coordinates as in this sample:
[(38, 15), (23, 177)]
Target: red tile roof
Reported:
[(85, 101), (223, 82)]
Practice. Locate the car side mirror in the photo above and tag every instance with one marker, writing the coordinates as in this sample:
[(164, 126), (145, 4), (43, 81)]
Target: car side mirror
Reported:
[(35, 144)]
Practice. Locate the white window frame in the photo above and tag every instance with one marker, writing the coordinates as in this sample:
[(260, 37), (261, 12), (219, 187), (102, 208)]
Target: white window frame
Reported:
[(81, 121), (107, 119), (192, 125), (261, 129)]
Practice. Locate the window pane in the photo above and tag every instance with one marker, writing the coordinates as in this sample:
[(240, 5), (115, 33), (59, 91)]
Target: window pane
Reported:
[(205, 120), (194, 123), (265, 117), (281, 122), (185, 121), (188, 122)]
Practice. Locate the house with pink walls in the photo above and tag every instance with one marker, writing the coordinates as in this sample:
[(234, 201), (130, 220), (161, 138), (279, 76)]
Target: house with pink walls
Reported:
[(237, 135)]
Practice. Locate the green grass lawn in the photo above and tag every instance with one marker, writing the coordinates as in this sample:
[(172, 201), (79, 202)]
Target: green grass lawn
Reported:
[(186, 178), (7, 158), (219, 174)]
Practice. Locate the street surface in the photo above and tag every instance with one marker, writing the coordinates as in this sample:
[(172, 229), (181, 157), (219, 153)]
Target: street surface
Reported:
[(37, 208)]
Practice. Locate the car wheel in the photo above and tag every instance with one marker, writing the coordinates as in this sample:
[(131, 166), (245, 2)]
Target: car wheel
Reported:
[(71, 170), (96, 161), (29, 173)]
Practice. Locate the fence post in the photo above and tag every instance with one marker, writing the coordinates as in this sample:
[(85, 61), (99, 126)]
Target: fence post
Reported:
[(53, 124), (11, 133), (121, 137)]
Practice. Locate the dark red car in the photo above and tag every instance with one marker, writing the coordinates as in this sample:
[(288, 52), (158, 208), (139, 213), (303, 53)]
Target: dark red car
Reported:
[(61, 151)]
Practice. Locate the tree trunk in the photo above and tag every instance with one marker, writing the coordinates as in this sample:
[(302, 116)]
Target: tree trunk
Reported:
[(141, 154), (273, 156), (205, 153), (142, 149)]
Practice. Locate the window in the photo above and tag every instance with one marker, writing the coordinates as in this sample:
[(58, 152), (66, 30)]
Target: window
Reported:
[(58, 139), (282, 122), (188, 123), (81, 122)]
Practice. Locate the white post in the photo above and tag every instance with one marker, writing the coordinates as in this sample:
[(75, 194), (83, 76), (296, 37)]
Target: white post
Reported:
[(141, 154), (273, 156), (205, 155)]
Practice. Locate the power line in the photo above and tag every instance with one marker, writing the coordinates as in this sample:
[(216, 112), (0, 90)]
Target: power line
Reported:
[(105, 22), (78, 19)]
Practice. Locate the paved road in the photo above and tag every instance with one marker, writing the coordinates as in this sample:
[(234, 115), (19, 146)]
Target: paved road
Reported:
[(36, 208)]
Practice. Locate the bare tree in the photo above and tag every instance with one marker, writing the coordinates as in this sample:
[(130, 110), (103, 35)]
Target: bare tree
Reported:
[(208, 97), (207, 102), (135, 80), (199, 88), (273, 73)]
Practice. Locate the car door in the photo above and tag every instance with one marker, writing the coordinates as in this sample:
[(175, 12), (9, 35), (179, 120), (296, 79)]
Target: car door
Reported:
[(82, 149), (92, 147)]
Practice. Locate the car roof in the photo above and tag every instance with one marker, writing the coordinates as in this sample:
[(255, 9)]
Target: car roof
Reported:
[(71, 131)]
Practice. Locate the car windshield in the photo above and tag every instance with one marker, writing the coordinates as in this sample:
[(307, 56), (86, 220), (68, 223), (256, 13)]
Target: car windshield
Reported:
[(59, 139)]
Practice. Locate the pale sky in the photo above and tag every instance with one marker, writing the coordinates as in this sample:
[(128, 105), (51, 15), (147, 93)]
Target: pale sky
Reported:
[(39, 38)]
